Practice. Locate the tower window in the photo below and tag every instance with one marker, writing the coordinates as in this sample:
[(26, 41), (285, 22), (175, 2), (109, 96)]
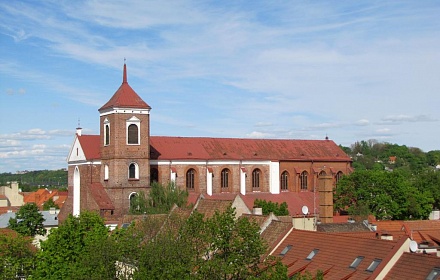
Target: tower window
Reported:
[(106, 172), (133, 134), (256, 179), (284, 181), (133, 171), (107, 135), (190, 182)]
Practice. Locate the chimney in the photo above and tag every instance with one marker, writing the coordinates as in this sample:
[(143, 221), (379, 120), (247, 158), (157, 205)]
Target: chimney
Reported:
[(257, 211)]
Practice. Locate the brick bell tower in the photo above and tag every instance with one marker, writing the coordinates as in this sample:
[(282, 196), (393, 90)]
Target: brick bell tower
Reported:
[(125, 145)]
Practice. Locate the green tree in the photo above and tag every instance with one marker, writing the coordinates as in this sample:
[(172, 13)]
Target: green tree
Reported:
[(272, 207), (17, 256), (80, 248), (50, 204), (160, 199), (28, 221), (387, 195)]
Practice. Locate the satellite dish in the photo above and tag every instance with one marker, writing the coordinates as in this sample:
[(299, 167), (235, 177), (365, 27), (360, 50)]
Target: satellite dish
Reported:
[(305, 210), (413, 246)]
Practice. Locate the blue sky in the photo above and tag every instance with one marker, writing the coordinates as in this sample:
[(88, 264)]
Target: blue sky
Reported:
[(352, 70)]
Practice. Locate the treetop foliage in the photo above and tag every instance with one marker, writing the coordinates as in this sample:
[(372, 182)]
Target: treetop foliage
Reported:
[(28, 221)]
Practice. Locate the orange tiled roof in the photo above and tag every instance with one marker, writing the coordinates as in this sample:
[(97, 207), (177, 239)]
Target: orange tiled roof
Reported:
[(209, 206), (413, 266), (125, 97), (274, 231), (336, 253)]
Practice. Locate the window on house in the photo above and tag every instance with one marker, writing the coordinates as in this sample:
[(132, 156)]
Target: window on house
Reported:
[(284, 181), (133, 171), (356, 262), (190, 182), (338, 176), (434, 274), (374, 264), (133, 134), (106, 172), (106, 135), (303, 180), (225, 179), (285, 250), (312, 254), (322, 173), (256, 179), (154, 175)]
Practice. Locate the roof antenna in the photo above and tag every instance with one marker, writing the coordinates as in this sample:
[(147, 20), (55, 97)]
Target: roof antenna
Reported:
[(79, 122), (78, 129), (326, 137), (124, 77)]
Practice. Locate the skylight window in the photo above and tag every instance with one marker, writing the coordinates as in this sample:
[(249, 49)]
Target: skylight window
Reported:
[(373, 265), (356, 262), (285, 250), (434, 274), (312, 254)]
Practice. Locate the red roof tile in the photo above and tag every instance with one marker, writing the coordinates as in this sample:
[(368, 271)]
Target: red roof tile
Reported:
[(125, 97), (413, 266), (90, 145), (167, 147), (101, 197), (336, 253)]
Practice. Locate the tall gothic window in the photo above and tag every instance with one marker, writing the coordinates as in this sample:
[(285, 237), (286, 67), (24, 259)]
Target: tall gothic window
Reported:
[(190, 179), (133, 171), (338, 176), (284, 181), (106, 134), (133, 134), (303, 180), (225, 179), (256, 179)]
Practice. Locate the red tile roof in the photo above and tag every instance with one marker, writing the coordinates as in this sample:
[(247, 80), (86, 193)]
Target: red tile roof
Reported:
[(101, 197), (125, 97), (413, 266), (209, 207), (168, 147), (90, 145), (336, 253), (174, 148)]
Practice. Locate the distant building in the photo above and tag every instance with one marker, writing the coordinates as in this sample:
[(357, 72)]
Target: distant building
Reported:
[(10, 196), (105, 171)]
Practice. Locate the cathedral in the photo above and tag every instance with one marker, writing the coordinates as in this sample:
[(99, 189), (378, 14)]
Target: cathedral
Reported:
[(105, 171)]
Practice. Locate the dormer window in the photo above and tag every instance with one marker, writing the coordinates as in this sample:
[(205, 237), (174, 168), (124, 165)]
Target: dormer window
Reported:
[(374, 264), (133, 131), (356, 262), (312, 254)]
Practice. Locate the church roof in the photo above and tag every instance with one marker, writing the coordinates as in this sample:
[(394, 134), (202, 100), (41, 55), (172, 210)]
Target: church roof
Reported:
[(90, 146), (101, 197), (203, 148), (125, 97)]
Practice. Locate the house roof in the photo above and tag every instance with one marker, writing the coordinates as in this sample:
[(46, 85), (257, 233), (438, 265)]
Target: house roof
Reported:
[(209, 206), (101, 197), (343, 227), (50, 220), (125, 97), (335, 253), (413, 266), (274, 230), (202, 148)]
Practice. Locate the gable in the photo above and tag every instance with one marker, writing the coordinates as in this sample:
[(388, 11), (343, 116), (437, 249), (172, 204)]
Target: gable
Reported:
[(76, 152)]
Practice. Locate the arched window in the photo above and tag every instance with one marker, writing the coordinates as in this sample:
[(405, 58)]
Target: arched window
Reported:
[(106, 172), (190, 179), (133, 134), (133, 171), (338, 176), (303, 180), (133, 199), (322, 173), (225, 179), (256, 179), (106, 132), (154, 175), (284, 181)]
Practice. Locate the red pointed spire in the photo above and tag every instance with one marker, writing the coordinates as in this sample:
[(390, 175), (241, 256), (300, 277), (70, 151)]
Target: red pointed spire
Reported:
[(124, 78)]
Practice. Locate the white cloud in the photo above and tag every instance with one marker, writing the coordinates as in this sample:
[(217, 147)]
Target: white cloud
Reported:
[(258, 134), (407, 118)]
